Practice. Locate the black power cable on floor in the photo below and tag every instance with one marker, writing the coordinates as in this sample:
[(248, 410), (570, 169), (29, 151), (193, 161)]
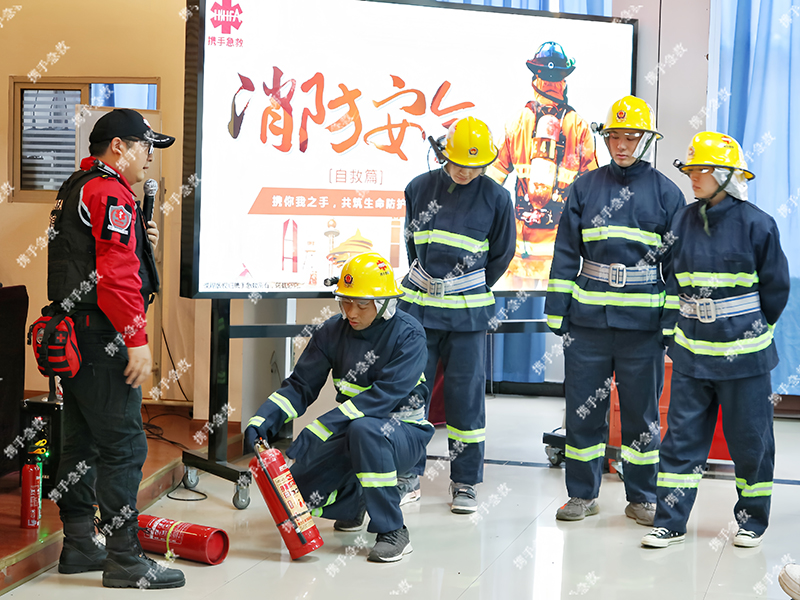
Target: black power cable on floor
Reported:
[(180, 483), (172, 360)]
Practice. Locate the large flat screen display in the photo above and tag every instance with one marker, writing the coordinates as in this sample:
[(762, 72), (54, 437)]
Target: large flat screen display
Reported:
[(313, 116)]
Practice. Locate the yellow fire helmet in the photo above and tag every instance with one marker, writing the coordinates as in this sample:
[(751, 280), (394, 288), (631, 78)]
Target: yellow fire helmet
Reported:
[(367, 276), (630, 112), (711, 149), (469, 144)]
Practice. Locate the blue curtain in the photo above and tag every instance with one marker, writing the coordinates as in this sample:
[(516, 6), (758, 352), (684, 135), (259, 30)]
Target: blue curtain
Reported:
[(527, 4), (754, 96), (598, 8)]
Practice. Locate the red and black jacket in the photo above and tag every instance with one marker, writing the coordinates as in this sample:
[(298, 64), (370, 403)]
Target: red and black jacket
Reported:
[(99, 227)]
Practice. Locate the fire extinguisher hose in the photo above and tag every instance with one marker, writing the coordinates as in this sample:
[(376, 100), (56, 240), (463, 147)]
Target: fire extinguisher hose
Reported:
[(292, 517)]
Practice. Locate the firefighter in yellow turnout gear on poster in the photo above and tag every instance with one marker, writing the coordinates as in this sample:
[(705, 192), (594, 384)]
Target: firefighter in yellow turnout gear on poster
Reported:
[(547, 148)]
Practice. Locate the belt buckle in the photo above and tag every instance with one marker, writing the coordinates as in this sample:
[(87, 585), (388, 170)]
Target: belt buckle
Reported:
[(706, 310), (617, 275), (436, 287)]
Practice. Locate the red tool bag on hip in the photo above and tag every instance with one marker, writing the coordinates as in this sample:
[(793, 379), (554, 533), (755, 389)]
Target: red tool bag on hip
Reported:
[(55, 345)]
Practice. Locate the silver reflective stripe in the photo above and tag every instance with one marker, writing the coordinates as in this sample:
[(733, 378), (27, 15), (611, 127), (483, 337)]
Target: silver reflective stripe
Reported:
[(415, 416)]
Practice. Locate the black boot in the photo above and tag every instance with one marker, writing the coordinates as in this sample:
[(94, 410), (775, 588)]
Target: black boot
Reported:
[(82, 551), (128, 566)]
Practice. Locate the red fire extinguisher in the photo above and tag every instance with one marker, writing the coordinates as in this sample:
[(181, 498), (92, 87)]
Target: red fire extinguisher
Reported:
[(186, 540), (31, 513), (284, 500)]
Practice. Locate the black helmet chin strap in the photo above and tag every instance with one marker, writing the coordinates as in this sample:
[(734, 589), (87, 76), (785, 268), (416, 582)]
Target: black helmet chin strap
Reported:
[(553, 98)]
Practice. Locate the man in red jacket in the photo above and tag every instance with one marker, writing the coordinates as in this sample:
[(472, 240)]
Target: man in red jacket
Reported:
[(101, 271)]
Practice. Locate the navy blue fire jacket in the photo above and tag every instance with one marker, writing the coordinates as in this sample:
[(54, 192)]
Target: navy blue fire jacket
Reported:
[(742, 255), (612, 215), (376, 371), (453, 230)]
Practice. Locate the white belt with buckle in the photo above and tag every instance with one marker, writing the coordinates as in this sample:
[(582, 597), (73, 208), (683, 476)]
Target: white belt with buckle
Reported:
[(707, 310), (618, 275), (439, 287)]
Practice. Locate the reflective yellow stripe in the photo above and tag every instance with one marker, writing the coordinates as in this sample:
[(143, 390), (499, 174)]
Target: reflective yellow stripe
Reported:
[(448, 238), (675, 480), (743, 346), (672, 303), (375, 480), (554, 321), (455, 301), (757, 489), (617, 299), (284, 405), (350, 411), (560, 285), (349, 389), (256, 421), (585, 454), (319, 430), (668, 331), (639, 458), (716, 280), (597, 234), (317, 512), (473, 436)]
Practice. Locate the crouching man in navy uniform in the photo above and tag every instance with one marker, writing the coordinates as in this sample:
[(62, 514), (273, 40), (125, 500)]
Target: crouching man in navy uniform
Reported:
[(351, 455)]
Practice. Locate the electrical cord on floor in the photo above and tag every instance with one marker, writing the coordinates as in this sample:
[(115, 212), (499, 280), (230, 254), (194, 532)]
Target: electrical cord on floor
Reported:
[(154, 432), (180, 483), (172, 360)]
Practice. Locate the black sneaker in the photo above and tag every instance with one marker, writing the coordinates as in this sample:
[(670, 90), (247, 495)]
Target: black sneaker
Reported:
[(391, 547), (356, 524), (661, 537)]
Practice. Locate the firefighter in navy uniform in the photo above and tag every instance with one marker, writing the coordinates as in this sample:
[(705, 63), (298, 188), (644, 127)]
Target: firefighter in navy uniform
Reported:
[(548, 147), (731, 278), (348, 459), (460, 239), (606, 291), (101, 270)]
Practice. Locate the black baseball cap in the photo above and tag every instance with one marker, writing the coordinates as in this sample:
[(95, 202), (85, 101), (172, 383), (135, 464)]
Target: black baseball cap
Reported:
[(127, 123)]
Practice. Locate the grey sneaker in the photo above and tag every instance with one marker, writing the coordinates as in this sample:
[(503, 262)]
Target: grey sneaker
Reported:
[(464, 498), (356, 524), (391, 547), (576, 509), (643, 513), (409, 489), (661, 537), (746, 539)]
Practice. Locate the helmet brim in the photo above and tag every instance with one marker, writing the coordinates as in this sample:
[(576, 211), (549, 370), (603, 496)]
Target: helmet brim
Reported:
[(684, 167)]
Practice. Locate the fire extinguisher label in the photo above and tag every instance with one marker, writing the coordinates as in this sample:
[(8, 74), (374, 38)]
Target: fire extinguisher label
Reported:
[(294, 501)]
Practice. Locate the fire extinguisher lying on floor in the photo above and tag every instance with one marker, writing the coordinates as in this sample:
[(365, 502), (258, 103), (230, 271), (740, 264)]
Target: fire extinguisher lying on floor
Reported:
[(284, 500)]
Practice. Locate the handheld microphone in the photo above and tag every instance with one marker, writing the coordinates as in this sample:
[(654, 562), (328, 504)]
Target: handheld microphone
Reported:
[(150, 191)]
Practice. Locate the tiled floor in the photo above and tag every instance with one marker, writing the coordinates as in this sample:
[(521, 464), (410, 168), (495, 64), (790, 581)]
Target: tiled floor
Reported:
[(516, 550)]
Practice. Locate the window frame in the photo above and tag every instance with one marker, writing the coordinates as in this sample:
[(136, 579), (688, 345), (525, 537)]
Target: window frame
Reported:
[(16, 86)]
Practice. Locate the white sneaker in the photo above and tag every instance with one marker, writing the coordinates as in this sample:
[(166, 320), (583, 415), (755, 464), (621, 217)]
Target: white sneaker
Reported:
[(661, 537), (746, 539), (790, 580), (409, 489)]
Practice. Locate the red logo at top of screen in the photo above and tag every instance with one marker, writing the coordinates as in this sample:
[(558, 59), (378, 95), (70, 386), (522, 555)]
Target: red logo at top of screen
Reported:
[(226, 15)]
